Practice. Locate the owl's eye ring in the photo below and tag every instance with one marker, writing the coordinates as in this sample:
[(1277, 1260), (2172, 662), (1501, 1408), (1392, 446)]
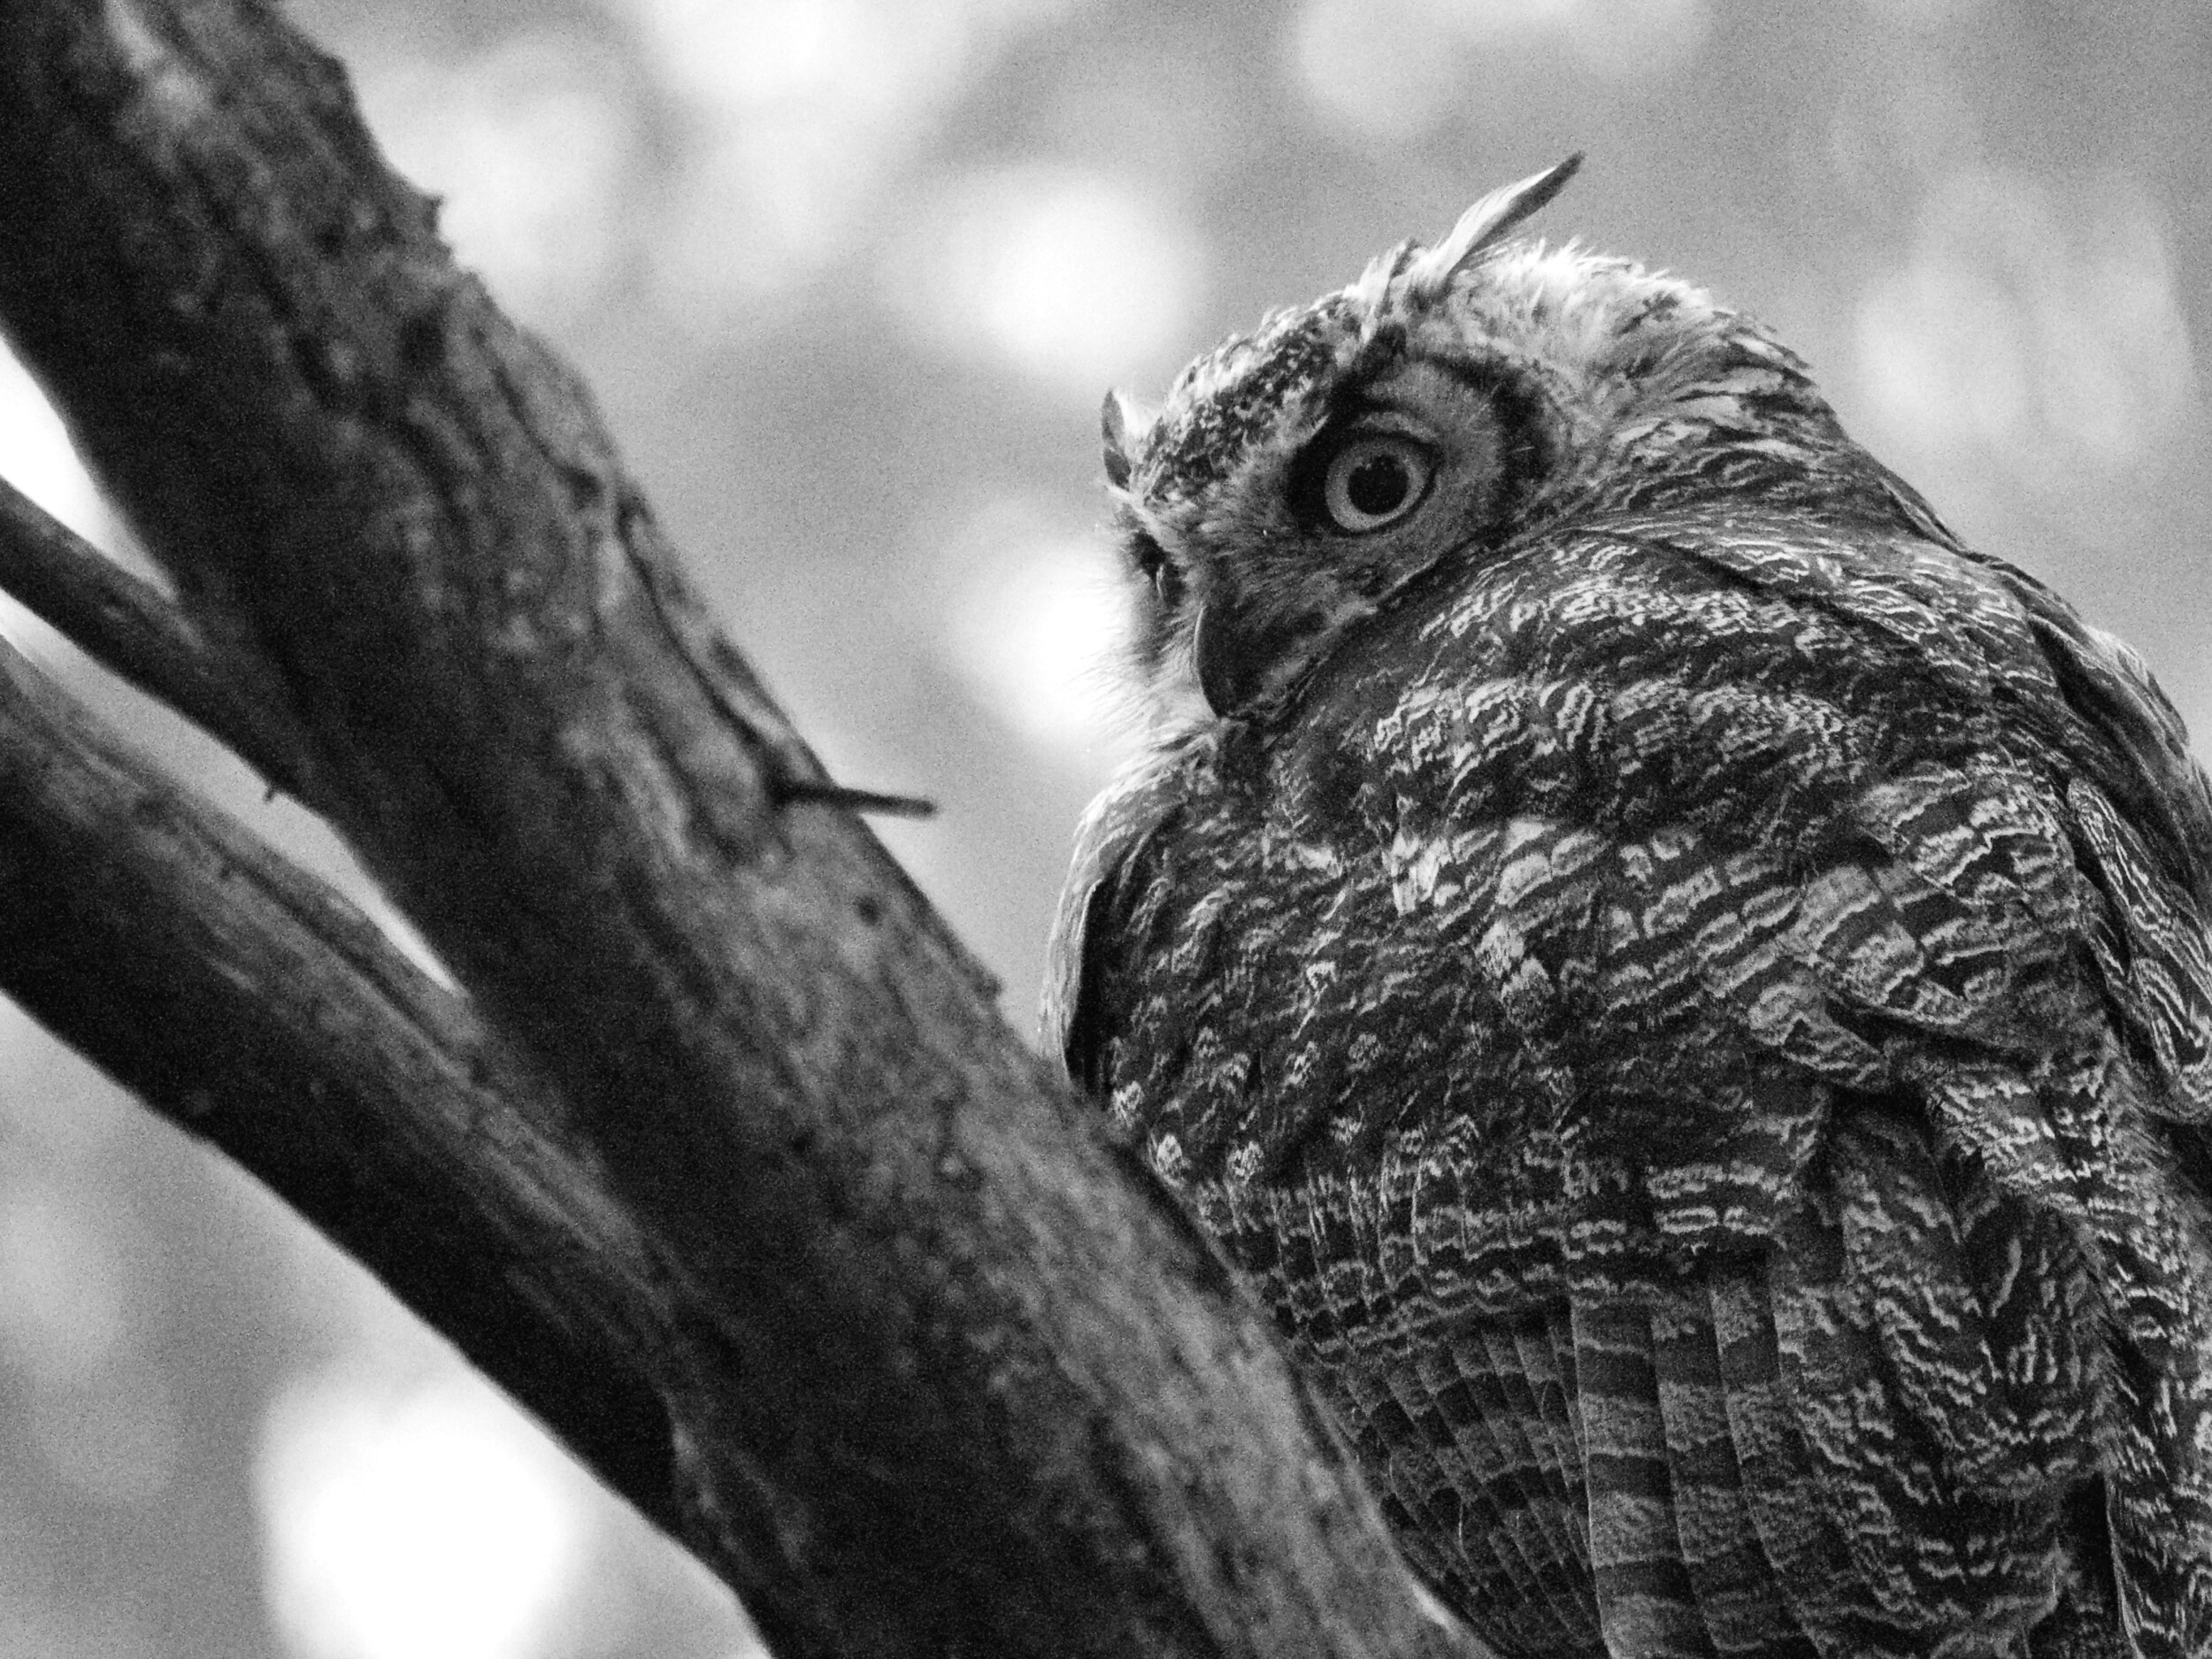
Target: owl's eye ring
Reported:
[(1374, 480)]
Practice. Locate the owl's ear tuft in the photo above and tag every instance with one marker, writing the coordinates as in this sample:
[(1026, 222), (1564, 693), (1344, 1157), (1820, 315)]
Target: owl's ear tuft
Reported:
[(1371, 294), (1123, 423), (1482, 226)]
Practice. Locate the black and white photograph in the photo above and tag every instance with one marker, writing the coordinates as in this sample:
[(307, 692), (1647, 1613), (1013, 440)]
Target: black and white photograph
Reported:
[(1344, 829)]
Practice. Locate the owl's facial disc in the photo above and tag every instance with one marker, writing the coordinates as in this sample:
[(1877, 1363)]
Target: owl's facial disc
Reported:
[(1253, 556)]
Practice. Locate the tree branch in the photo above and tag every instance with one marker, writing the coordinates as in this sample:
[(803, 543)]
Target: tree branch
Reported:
[(245, 1002), (958, 1377), (130, 629)]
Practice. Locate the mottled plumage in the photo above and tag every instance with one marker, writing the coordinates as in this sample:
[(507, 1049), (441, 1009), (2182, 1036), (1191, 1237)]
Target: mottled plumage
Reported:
[(1685, 988)]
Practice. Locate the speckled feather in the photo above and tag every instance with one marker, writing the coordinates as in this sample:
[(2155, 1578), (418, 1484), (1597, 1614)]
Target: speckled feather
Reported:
[(1692, 1006)]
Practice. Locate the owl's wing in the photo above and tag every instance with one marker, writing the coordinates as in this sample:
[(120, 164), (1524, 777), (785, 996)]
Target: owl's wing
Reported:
[(1981, 971), (1114, 828), (1115, 823), (1883, 1319)]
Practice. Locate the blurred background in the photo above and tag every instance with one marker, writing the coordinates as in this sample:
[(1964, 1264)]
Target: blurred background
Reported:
[(848, 277)]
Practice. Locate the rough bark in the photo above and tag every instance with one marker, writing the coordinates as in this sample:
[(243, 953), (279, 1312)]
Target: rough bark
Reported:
[(725, 1163)]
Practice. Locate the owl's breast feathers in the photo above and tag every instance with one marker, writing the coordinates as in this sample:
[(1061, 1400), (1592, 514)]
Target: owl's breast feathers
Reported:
[(1698, 1026)]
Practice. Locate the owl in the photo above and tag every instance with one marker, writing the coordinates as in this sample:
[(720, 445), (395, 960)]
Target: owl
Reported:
[(1683, 986)]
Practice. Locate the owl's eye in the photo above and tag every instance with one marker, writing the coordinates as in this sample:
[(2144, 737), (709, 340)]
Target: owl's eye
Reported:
[(1155, 568), (1375, 480)]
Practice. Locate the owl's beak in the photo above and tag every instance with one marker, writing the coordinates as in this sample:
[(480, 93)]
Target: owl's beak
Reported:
[(1240, 658), (1222, 671)]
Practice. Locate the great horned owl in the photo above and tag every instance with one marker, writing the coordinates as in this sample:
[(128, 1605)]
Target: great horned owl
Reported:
[(1684, 987)]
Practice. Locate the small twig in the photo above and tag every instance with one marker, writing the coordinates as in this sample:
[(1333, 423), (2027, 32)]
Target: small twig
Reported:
[(794, 776), (131, 629), (796, 790)]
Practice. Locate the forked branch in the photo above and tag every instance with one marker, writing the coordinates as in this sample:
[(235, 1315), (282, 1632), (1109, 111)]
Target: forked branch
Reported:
[(243, 1000)]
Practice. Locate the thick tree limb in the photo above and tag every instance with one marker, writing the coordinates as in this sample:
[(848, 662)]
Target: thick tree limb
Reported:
[(956, 1378)]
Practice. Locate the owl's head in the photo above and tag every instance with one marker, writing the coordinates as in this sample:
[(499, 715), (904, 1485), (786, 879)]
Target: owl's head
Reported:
[(1452, 399)]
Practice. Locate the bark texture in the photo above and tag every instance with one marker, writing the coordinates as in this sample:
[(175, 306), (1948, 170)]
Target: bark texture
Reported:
[(725, 1163)]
